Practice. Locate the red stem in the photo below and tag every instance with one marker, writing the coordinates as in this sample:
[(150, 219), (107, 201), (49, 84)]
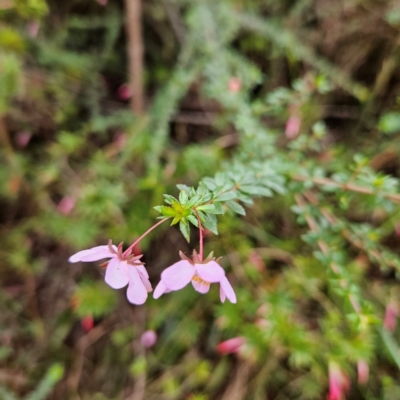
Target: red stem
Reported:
[(126, 252), (201, 236)]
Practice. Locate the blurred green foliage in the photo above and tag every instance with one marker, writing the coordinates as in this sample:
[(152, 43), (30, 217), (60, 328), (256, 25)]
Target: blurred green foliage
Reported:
[(277, 121)]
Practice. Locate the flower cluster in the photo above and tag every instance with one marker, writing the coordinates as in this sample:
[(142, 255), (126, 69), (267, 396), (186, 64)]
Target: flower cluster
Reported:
[(124, 268)]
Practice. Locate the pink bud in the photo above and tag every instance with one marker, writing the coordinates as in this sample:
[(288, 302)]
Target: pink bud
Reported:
[(338, 382), (66, 205), (87, 323), (234, 84), (33, 28), (102, 2), (231, 345), (390, 317), (257, 261), (22, 139), (148, 339), (124, 92), (292, 127), (363, 372)]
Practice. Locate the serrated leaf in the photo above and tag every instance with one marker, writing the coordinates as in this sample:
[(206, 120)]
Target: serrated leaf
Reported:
[(236, 207), (170, 199), (193, 220), (185, 229), (226, 196), (183, 197), (210, 222), (177, 219), (193, 201)]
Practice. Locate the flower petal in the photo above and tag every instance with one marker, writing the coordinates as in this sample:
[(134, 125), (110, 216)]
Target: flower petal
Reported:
[(136, 293), (159, 290), (201, 287), (117, 274), (93, 254), (227, 290), (222, 295), (178, 275), (210, 272), (142, 271), (146, 283)]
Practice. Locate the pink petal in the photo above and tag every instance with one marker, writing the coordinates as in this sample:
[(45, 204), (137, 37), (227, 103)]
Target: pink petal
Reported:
[(159, 290), (117, 274), (146, 283), (142, 271), (178, 275), (222, 294), (227, 291), (201, 287), (93, 254), (210, 272), (148, 339), (136, 293)]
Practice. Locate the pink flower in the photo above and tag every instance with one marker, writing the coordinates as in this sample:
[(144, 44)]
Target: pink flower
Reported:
[(178, 275), (391, 315), (121, 270), (363, 372), (66, 205), (292, 128), (87, 323), (234, 84), (148, 339), (338, 382), (124, 92), (231, 345)]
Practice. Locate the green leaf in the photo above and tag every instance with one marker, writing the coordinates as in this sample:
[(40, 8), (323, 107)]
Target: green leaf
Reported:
[(214, 208), (256, 190), (185, 229), (167, 211), (236, 207), (193, 201), (193, 220), (210, 222), (210, 183), (227, 196), (390, 123), (170, 199), (177, 219), (183, 187), (183, 197)]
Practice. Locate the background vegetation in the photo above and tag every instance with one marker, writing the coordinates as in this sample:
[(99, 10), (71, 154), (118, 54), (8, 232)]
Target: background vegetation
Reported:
[(296, 103)]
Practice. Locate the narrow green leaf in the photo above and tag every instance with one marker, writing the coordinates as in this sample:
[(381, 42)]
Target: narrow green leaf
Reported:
[(236, 207), (209, 182), (183, 197), (185, 229), (177, 219), (169, 199), (167, 211), (227, 196), (186, 188), (210, 222), (256, 190), (193, 220)]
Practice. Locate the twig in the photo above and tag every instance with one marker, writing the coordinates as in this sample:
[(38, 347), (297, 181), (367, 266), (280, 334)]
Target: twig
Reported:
[(347, 186), (135, 53)]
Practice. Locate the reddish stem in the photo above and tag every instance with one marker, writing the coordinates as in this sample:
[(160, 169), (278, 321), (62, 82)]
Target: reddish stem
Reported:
[(126, 252), (201, 236)]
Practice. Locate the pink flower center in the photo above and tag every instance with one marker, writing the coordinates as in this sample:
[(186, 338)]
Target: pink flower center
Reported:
[(197, 279)]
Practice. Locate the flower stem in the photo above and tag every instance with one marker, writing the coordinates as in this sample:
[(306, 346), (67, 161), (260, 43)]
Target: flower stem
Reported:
[(201, 236), (126, 252)]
